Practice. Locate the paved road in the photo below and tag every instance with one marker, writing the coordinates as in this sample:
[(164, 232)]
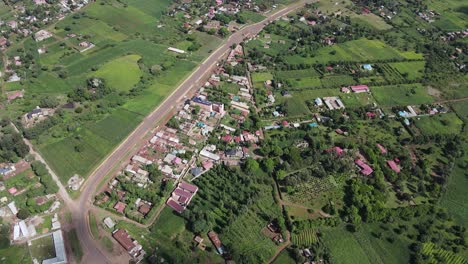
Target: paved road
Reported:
[(123, 152)]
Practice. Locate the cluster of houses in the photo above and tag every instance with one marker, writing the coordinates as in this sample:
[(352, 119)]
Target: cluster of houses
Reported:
[(181, 196), (429, 15), (207, 21)]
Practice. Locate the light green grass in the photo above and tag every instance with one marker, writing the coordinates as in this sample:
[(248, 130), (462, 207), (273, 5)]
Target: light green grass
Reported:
[(75, 244), (121, 74), (362, 247), (107, 243), (261, 76), (355, 50), (454, 197), (42, 248), (284, 258), (96, 142), (93, 225), (17, 254), (401, 94), (168, 223), (129, 20), (439, 124), (414, 69)]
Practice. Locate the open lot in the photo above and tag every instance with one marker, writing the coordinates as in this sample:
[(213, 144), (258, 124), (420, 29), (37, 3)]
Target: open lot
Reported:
[(42, 248), (439, 124), (121, 73), (401, 94), (361, 247), (355, 50)]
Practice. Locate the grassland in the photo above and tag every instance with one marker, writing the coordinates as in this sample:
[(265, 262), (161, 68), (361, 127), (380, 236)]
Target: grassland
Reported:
[(93, 225), (362, 247), (461, 108), (454, 197), (355, 50), (42, 248), (122, 73), (453, 14), (284, 258), (15, 254), (74, 244), (107, 243), (96, 142), (402, 94), (439, 124), (413, 69)]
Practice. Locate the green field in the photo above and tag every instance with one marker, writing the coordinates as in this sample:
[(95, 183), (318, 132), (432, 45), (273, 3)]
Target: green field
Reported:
[(454, 197), (362, 247), (96, 141), (401, 94), (121, 73), (284, 258), (75, 244), (413, 69), (305, 238), (17, 254), (461, 108), (42, 248), (355, 50), (453, 14), (439, 124)]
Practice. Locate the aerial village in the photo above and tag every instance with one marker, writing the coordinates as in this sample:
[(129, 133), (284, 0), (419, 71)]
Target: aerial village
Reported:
[(186, 147)]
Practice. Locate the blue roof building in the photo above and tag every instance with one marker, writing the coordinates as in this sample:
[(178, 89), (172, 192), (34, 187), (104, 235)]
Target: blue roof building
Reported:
[(367, 67)]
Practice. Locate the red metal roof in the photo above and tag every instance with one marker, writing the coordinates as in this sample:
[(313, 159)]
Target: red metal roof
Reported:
[(124, 239), (393, 166), (214, 239), (188, 187), (175, 206)]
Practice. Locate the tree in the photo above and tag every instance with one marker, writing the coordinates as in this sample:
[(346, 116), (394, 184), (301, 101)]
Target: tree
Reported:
[(23, 214), (269, 165), (49, 102), (251, 166), (223, 31), (200, 226)]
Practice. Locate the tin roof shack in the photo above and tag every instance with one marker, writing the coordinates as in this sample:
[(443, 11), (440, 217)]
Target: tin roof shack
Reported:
[(216, 242)]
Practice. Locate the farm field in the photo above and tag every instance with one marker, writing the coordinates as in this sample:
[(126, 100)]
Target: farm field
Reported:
[(95, 142), (342, 7), (414, 70), (401, 94), (355, 50), (127, 46), (435, 254), (362, 247), (454, 197), (453, 14), (461, 108), (439, 124), (305, 238), (315, 193)]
